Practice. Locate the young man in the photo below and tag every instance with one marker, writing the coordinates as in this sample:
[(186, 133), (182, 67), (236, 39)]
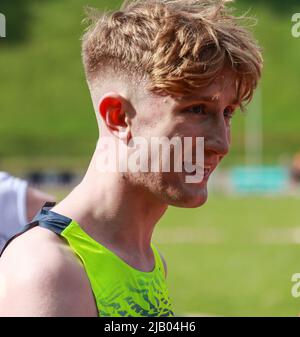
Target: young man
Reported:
[(155, 69)]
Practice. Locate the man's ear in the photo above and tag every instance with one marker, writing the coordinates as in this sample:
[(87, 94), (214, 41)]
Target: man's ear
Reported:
[(112, 111)]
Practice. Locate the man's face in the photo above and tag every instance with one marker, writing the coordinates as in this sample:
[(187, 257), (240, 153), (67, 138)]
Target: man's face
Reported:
[(206, 114)]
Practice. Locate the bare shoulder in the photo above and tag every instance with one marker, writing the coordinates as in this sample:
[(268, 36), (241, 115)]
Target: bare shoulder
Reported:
[(41, 276)]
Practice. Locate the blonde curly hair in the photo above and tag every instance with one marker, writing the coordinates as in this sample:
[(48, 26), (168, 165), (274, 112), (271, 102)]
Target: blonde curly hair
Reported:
[(179, 45)]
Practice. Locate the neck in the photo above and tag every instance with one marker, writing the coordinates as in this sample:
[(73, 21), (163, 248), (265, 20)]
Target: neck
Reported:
[(113, 211)]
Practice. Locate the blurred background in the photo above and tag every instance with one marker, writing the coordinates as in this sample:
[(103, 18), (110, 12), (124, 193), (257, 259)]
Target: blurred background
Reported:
[(234, 256)]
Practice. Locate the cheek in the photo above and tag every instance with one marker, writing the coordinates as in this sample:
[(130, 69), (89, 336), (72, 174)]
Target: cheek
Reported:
[(154, 123), (181, 126)]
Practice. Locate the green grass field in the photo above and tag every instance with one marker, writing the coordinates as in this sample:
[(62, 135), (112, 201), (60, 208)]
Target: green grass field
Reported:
[(233, 257)]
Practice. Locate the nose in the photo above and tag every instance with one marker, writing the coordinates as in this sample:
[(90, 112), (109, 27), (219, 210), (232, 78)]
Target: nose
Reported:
[(218, 138)]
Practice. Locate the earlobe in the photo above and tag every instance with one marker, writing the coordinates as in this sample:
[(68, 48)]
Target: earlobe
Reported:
[(127, 131), (124, 134)]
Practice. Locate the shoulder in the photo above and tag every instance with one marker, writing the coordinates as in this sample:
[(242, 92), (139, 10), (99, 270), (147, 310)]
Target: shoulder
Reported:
[(40, 276)]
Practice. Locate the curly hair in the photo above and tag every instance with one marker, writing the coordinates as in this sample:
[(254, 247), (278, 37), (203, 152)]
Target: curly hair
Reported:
[(180, 45)]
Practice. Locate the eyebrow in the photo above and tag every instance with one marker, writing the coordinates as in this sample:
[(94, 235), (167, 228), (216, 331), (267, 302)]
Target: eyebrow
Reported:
[(186, 99)]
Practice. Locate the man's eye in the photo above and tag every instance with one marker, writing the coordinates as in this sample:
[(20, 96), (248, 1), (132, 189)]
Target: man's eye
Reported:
[(196, 109), (228, 113)]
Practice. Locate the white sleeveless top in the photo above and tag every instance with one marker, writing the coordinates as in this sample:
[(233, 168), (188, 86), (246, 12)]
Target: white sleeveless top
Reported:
[(13, 213)]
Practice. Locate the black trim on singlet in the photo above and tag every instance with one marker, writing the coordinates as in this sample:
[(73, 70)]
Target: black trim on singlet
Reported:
[(45, 218), (50, 220)]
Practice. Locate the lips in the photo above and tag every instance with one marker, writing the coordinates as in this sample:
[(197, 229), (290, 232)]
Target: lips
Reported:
[(193, 169)]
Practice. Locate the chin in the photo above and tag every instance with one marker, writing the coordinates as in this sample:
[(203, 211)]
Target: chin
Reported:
[(192, 197), (196, 200)]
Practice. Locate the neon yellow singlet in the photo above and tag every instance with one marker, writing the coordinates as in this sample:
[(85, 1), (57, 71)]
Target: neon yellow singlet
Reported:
[(119, 289)]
